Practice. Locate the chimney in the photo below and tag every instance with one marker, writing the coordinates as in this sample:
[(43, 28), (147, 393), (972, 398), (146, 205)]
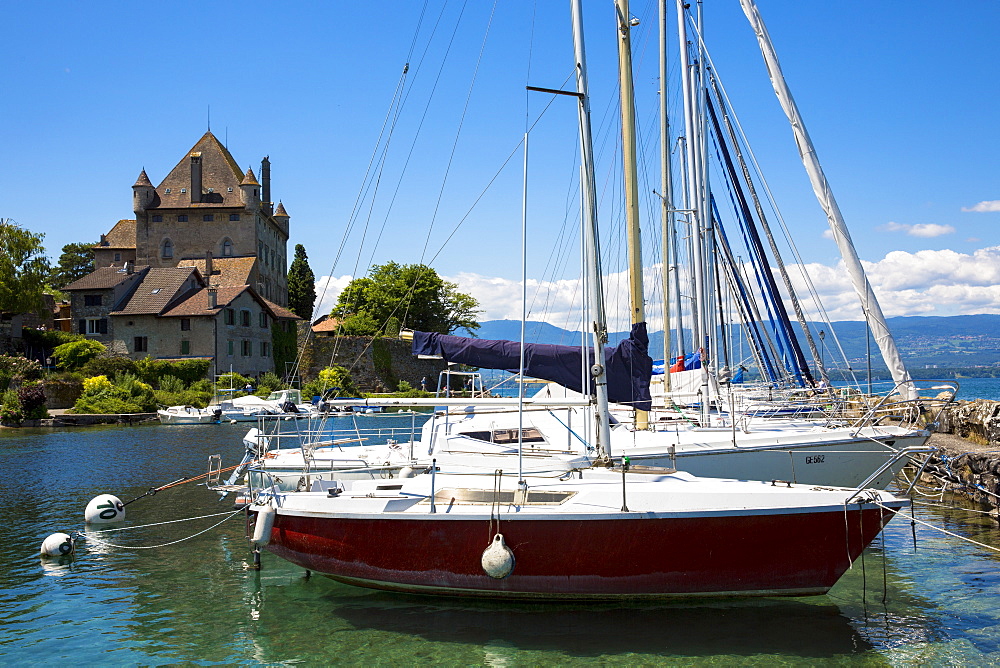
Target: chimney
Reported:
[(208, 266), (265, 184), (128, 267), (213, 297), (195, 177), (104, 240)]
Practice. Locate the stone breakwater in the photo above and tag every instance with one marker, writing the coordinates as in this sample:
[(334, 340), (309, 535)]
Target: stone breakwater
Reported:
[(968, 459)]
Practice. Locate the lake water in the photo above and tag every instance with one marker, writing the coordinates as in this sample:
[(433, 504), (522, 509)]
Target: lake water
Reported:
[(196, 602)]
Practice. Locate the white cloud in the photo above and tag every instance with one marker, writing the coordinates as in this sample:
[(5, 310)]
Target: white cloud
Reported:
[(928, 282), (925, 230), (984, 207), (828, 233), (328, 288)]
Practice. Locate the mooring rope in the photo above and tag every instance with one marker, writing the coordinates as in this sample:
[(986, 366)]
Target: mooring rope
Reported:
[(951, 507), (944, 531), (93, 535)]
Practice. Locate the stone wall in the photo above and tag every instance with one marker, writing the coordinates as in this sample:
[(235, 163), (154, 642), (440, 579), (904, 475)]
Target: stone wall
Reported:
[(375, 366), (977, 421)]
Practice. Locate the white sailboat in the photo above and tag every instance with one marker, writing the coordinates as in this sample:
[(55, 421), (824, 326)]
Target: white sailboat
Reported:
[(577, 534)]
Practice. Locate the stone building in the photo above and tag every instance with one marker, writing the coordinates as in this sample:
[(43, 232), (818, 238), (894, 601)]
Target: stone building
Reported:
[(200, 272), (205, 205)]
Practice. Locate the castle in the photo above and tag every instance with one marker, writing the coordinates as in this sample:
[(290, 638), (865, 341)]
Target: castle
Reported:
[(201, 271)]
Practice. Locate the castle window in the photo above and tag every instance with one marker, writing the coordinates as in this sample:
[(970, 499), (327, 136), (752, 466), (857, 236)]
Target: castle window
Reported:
[(92, 300), (118, 257), (182, 219), (185, 347), (230, 316), (140, 344), (208, 217), (229, 348), (263, 319), (185, 324), (234, 216), (157, 218), (247, 348), (227, 248), (168, 249), (265, 349), (94, 326), (245, 318)]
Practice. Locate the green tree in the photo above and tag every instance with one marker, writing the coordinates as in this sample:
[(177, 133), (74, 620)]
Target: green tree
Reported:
[(301, 285), (408, 295), (75, 354), (23, 269), (76, 261)]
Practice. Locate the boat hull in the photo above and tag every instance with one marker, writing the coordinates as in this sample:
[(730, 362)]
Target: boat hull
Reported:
[(645, 557)]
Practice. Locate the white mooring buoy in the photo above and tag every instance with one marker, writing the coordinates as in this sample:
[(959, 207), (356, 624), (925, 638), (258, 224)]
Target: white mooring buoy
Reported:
[(105, 509), (57, 545), (498, 560)]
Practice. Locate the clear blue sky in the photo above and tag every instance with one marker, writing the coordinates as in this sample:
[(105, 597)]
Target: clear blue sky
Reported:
[(898, 97)]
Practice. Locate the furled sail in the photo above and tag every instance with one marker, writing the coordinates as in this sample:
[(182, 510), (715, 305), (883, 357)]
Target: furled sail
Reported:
[(629, 366), (873, 312)]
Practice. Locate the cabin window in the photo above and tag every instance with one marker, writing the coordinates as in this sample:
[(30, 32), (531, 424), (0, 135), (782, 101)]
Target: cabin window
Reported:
[(506, 436)]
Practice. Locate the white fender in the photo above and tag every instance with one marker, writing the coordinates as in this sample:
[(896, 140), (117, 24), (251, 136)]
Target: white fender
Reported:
[(262, 529)]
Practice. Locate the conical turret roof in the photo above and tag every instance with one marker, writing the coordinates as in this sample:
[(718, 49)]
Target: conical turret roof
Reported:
[(280, 211), (249, 179), (143, 180)]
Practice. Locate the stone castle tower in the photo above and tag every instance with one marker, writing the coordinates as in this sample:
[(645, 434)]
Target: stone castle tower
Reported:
[(205, 208)]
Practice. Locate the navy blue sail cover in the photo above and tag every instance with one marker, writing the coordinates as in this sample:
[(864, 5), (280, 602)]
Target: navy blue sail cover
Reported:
[(628, 364)]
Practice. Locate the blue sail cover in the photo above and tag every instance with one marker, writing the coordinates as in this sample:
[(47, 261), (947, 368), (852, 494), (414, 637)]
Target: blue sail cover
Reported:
[(628, 364)]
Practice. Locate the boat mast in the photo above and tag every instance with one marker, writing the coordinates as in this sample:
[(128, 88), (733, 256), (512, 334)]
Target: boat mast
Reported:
[(666, 195), (592, 268), (870, 305), (695, 202), (635, 291)]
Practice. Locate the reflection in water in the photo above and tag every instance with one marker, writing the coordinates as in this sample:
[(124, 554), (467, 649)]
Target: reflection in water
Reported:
[(197, 601)]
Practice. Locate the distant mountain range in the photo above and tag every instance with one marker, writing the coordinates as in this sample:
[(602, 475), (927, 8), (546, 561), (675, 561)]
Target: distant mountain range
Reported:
[(959, 341)]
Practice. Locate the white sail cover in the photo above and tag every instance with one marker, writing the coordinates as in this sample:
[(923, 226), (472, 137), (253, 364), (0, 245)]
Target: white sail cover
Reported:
[(873, 312)]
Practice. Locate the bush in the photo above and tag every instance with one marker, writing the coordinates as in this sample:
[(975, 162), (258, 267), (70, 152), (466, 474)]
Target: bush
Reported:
[(127, 395), (171, 384), (267, 383), (15, 369), (75, 354), (32, 399), (329, 378), (112, 366), (10, 408), (48, 339), (188, 371), (235, 381)]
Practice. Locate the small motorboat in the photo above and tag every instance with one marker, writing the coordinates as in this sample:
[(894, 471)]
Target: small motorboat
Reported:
[(187, 415)]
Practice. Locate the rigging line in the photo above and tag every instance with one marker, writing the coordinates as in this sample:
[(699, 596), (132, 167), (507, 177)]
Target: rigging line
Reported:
[(454, 145), (811, 288), (416, 136)]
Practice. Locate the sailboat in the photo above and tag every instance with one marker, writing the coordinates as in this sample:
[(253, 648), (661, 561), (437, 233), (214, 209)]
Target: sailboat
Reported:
[(593, 533)]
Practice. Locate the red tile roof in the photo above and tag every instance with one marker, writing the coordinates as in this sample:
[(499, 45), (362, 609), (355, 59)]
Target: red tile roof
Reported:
[(160, 287), (225, 270), (219, 172), (104, 278), (122, 235)]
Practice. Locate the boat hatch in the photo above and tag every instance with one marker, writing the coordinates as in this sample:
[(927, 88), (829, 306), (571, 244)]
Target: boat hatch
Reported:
[(488, 496), (506, 436)]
